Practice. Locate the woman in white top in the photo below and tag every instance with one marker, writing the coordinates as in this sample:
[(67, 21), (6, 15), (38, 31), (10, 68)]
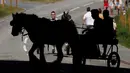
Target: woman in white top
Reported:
[(111, 6), (118, 4)]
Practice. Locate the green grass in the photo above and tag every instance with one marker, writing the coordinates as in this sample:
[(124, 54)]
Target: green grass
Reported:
[(7, 10), (123, 32), (43, 1)]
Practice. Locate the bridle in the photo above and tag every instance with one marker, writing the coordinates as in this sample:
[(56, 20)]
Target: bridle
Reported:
[(22, 32)]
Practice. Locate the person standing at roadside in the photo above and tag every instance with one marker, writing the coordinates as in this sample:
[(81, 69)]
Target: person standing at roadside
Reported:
[(100, 13), (111, 6), (105, 4)]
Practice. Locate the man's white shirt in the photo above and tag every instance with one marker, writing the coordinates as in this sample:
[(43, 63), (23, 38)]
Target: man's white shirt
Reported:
[(88, 18)]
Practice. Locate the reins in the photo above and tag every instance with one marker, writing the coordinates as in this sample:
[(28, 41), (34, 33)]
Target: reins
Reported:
[(22, 32)]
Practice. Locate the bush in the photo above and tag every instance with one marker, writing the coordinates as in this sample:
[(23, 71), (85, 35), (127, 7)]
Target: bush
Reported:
[(123, 28)]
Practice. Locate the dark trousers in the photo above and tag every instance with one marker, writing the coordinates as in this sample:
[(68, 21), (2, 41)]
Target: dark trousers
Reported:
[(88, 27), (68, 49)]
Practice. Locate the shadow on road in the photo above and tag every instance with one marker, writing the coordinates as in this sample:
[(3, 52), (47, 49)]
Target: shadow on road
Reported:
[(7, 66)]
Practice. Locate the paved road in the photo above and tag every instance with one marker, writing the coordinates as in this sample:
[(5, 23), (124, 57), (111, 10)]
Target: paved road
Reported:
[(11, 48), (29, 5)]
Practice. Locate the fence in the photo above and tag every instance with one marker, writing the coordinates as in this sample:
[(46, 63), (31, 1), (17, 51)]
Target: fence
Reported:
[(3, 2)]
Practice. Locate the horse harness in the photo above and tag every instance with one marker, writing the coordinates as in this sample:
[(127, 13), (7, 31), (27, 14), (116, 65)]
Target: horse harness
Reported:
[(22, 32)]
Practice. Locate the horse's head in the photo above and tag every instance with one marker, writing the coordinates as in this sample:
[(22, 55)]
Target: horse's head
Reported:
[(16, 24), (66, 16)]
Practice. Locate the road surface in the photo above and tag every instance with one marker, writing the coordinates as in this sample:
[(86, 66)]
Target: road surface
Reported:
[(12, 48), (22, 4)]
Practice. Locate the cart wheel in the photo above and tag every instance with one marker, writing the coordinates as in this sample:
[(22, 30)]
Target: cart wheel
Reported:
[(53, 51), (113, 60)]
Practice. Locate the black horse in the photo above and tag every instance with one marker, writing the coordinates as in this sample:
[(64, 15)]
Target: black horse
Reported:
[(43, 31), (88, 48), (67, 16)]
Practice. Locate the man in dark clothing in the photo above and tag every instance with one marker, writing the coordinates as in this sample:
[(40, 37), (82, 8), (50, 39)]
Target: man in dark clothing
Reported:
[(108, 24), (98, 25), (97, 32), (103, 29), (108, 30)]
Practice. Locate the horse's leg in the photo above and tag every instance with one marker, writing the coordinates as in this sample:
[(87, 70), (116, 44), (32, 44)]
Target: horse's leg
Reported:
[(33, 48), (33, 60), (77, 56), (43, 62), (55, 66), (38, 51), (59, 53), (31, 51), (42, 57)]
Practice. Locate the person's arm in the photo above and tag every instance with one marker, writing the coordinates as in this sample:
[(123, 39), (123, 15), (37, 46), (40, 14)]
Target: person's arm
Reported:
[(102, 16), (115, 26), (84, 19), (115, 2)]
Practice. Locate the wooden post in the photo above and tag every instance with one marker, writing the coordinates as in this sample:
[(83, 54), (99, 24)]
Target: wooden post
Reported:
[(16, 3)]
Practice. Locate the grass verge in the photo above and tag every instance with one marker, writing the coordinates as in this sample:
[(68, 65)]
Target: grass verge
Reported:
[(123, 28), (7, 10)]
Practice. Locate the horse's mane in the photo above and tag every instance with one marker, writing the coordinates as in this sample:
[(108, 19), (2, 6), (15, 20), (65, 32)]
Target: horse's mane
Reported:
[(28, 16), (34, 21), (32, 16), (45, 19)]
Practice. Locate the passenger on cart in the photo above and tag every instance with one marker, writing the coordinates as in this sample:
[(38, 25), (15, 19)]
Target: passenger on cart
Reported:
[(98, 24), (103, 29), (97, 31), (108, 29)]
